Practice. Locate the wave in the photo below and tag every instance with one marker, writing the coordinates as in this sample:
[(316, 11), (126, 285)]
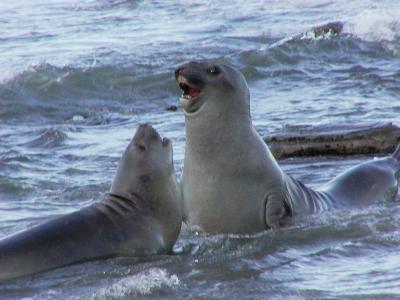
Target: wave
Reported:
[(144, 283), (30, 35), (71, 93), (370, 25), (102, 5), (48, 138), (325, 53), (380, 29), (110, 82), (302, 59), (74, 93), (375, 25)]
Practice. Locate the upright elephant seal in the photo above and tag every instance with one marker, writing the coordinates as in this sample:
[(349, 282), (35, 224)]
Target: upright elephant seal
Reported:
[(140, 216), (231, 183)]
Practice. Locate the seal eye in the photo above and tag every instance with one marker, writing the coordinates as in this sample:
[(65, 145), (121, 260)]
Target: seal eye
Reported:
[(213, 70), (141, 147)]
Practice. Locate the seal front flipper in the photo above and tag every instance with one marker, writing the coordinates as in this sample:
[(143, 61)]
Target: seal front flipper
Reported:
[(275, 211), (396, 153)]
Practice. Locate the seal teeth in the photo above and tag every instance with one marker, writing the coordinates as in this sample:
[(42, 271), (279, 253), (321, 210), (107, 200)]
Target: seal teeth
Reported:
[(185, 88), (188, 91)]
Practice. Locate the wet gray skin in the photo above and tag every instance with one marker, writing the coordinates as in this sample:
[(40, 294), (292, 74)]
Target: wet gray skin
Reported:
[(231, 182), (140, 216)]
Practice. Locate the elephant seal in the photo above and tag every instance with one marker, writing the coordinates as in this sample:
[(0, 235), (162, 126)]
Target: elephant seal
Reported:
[(140, 216), (231, 182)]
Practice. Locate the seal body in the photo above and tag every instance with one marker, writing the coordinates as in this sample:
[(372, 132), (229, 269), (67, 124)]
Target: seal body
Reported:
[(374, 180), (231, 182), (140, 216)]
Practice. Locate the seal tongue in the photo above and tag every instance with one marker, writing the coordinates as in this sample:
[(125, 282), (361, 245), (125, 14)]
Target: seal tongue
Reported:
[(193, 92), (188, 90)]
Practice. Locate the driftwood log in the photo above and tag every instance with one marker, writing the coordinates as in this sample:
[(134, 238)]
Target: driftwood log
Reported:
[(382, 139)]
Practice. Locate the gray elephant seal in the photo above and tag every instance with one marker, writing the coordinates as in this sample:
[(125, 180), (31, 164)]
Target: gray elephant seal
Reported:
[(140, 216), (231, 182)]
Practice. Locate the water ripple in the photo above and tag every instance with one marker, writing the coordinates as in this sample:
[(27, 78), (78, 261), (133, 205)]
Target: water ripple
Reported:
[(48, 138)]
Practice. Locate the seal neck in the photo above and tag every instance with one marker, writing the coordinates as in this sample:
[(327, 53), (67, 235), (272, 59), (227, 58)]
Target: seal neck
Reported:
[(211, 130), (125, 197)]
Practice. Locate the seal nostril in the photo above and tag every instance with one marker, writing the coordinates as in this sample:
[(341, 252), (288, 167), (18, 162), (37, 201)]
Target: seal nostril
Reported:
[(165, 141), (141, 147), (178, 72)]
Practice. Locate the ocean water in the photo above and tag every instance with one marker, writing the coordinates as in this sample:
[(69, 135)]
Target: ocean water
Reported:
[(77, 77)]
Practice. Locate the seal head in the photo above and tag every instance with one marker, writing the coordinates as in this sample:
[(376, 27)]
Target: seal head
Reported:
[(147, 158), (201, 81), (146, 176)]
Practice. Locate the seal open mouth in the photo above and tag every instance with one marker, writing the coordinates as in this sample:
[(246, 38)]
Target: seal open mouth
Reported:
[(192, 92), (189, 92)]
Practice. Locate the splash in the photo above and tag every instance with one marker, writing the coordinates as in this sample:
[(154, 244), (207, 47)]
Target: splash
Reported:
[(375, 25), (143, 283)]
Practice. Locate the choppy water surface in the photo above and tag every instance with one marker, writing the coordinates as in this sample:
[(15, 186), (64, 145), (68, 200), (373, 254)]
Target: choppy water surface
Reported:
[(77, 77)]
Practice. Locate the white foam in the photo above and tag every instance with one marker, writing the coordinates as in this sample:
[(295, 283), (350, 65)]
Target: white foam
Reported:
[(78, 119), (143, 283), (13, 72), (375, 25)]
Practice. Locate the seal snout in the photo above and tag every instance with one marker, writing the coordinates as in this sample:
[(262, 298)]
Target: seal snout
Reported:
[(166, 141), (189, 80), (145, 134), (178, 72), (189, 91), (186, 69)]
